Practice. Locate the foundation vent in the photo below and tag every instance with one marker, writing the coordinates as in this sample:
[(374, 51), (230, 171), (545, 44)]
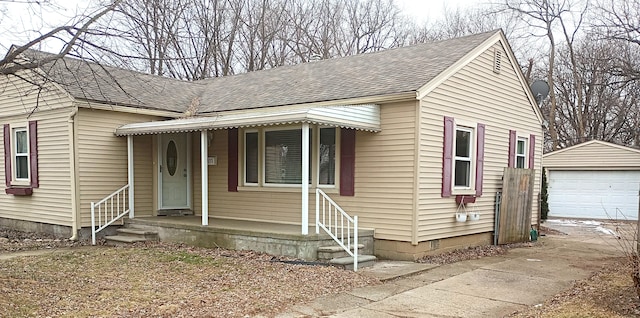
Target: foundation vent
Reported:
[(497, 61)]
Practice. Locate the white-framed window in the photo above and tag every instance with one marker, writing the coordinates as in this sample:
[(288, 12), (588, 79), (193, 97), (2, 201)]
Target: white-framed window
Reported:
[(327, 157), (21, 154), (273, 156), (521, 152), (282, 154), (463, 157)]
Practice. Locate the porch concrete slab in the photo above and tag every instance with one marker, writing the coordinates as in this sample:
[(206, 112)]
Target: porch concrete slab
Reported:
[(433, 302), (387, 270)]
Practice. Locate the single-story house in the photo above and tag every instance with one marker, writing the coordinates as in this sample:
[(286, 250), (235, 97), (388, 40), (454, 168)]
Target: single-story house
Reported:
[(396, 137), (593, 180)]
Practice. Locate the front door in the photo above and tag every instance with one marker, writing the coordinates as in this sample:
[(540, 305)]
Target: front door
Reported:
[(175, 171)]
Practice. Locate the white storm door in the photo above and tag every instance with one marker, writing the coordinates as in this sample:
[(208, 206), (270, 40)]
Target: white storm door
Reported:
[(175, 171)]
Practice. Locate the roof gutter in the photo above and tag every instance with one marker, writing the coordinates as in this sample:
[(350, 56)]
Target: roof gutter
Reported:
[(84, 103)]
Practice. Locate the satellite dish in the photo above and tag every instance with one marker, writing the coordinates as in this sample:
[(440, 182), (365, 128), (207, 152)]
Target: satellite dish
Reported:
[(540, 90)]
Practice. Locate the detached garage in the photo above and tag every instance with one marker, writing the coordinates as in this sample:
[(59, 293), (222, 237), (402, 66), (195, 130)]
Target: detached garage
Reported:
[(593, 180)]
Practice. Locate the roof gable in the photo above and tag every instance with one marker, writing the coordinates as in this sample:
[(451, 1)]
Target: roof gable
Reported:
[(593, 144), (593, 154), (496, 37)]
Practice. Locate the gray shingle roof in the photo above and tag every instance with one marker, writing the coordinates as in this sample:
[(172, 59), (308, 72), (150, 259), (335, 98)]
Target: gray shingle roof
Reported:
[(392, 71), (95, 82)]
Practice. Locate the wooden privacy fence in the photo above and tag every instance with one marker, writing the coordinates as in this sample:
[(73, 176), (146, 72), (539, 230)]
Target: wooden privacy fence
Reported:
[(514, 221)]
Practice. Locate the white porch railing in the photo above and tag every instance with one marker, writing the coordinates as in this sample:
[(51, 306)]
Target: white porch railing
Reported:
[(338, 224), (108, 210)]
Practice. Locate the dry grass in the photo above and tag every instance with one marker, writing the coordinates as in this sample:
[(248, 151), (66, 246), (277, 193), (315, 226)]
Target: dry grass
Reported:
[(162, 281), (608, 293)]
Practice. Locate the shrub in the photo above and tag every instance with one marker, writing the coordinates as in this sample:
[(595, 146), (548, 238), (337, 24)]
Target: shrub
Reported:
[(544, 195)]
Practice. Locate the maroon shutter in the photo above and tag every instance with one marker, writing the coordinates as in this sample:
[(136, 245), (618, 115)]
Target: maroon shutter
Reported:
[(532, 150), (447, 156), (480, 159), (7, 155), (33, 153), (347, 161), (512, 149), (232, 174)]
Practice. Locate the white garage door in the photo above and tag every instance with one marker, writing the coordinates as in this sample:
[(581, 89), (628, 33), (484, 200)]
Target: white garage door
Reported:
[(594, 194)]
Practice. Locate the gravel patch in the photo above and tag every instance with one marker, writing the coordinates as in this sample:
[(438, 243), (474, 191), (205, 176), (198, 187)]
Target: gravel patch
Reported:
[(14, 241), (472, 253)]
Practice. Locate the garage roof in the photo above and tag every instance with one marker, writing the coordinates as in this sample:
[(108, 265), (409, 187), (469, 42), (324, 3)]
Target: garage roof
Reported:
[(593, 155)]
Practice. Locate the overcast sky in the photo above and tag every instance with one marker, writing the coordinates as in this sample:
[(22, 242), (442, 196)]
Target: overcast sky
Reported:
[(431, 10), (20, 17)]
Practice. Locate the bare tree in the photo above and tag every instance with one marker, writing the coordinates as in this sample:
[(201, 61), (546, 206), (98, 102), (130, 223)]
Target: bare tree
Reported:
[(543, 18), (602, 107), (75, 37), (619, 21)]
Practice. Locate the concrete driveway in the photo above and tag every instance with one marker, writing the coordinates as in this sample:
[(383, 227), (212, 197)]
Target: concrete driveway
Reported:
[(487, 287)]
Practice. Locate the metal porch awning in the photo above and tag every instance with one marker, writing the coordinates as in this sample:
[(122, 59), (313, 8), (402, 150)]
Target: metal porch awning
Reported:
[(360, 117)]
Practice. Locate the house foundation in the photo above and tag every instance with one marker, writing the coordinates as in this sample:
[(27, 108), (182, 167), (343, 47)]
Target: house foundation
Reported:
[(272, 238), (59, 231), (397, 250)]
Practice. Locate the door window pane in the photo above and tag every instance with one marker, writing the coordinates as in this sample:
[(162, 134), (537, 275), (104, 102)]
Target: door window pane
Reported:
[(172, 157), (251, 157)]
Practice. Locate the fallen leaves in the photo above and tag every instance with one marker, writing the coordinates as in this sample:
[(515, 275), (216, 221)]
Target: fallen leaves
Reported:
[(161, 280)]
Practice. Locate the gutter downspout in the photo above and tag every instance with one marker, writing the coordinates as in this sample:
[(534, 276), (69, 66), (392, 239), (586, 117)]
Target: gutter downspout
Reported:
[(72, 168)]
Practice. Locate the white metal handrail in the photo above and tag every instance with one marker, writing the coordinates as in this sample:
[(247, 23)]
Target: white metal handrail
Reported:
[(336, 222), (109, 210)]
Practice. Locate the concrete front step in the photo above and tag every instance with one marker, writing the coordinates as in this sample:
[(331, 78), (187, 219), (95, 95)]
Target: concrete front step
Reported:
[(347, 262), (334, 251), (120, 240), (139, 233)]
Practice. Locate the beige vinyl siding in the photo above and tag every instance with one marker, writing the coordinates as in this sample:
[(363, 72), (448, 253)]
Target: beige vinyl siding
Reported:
[(271, 205), (19, 98), (384, 181), (51, 201), (144, 162), (384, 177), (102, 160), (473, 95), (593, 155)]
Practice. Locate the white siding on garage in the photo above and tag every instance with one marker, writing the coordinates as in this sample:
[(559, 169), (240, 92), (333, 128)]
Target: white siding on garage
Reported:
[(593, 155), (594, 194)]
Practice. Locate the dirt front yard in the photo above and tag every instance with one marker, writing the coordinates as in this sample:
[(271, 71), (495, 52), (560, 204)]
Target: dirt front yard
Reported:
[(156, 280)]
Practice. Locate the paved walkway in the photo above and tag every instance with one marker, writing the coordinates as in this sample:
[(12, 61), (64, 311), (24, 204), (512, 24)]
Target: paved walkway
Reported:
[(487, 287)]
